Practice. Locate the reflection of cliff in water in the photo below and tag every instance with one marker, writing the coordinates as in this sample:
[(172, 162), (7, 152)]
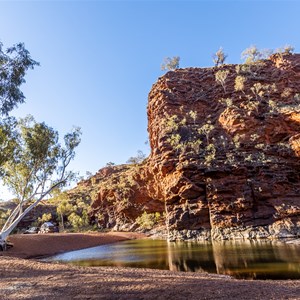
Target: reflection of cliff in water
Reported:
[(241, 259), (256, 259), (191, 257)]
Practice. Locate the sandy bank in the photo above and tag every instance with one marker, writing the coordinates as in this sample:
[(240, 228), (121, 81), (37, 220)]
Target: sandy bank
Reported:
[(37, 245)]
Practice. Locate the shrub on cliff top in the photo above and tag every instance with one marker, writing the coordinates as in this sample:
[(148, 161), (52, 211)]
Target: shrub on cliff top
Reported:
[(170, 64), (287, 49), (139, 158), (219, 57), (253, 54)]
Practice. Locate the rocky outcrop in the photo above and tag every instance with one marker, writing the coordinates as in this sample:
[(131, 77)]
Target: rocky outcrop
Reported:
[(224, 162), (118, 196)]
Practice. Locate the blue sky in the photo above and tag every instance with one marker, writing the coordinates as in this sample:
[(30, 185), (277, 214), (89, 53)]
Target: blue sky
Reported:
[(99, 59)]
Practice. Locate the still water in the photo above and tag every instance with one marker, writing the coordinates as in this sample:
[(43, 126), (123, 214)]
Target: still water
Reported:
[(251, 260)]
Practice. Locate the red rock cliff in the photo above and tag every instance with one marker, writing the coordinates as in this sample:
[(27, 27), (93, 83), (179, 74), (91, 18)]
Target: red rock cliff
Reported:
[(224, 162)]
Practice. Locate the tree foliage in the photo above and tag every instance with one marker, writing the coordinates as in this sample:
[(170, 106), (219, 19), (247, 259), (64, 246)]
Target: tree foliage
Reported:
[(7, 141), (285, 50), (253, 54), (78, 221), (46, 217), (148, 220), (219, 57), (14, 62), (221, 76), (39, 165), (75, 211), (136, 159), (170, 63)]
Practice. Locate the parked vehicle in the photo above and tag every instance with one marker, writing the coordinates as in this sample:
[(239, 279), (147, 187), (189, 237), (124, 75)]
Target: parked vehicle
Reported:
[(48, 227), (32, 230)]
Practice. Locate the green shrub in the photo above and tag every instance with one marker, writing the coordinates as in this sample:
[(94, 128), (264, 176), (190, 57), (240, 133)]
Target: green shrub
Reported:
[(239, 83), (45, 218), (221, 78), (148, 220)]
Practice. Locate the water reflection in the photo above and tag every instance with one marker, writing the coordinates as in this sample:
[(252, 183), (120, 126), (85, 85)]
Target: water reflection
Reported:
[(190, 257), (255, 260)]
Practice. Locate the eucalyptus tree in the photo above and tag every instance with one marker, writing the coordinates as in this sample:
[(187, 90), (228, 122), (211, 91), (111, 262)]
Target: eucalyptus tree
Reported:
[(14, 63), (39, 165)]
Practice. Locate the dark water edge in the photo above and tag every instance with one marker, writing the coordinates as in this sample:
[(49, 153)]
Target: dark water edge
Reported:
[(240, 259)]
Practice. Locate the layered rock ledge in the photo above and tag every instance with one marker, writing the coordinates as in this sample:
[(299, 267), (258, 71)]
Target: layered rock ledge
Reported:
[(224, 161)]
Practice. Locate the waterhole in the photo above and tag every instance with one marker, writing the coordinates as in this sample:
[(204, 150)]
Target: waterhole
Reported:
[(242, 260)]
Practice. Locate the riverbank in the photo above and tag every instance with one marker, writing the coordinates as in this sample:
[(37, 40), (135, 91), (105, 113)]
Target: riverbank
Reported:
[(31, 279), (39, 245)]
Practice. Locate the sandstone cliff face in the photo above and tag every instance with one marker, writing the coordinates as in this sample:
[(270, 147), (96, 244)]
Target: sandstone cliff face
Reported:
[(119, 195), (224, 162)]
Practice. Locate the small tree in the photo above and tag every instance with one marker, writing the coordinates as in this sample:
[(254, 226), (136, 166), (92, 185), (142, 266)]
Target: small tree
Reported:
[(219, 57), (239, 83), (258, 90), (193, 115), (75, 220), (251, 54), (45, 218), (288, 49), (170, 64), (206, 129), (64, 208), (38, 167), (285, 50), (221, 76), (134, 160), (148, 220)]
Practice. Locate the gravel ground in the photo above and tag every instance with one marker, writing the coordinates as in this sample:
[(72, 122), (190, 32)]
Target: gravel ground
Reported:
[(30, 279)]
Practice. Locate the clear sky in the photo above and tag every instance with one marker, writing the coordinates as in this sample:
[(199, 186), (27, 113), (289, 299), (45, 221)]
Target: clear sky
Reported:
[(99, 59)]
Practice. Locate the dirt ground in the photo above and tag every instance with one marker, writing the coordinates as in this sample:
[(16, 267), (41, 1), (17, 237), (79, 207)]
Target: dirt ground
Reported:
[(30, 279), (38, 245)]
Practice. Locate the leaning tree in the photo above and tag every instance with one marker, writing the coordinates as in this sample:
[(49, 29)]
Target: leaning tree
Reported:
[(38, 166), (32, 160)]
